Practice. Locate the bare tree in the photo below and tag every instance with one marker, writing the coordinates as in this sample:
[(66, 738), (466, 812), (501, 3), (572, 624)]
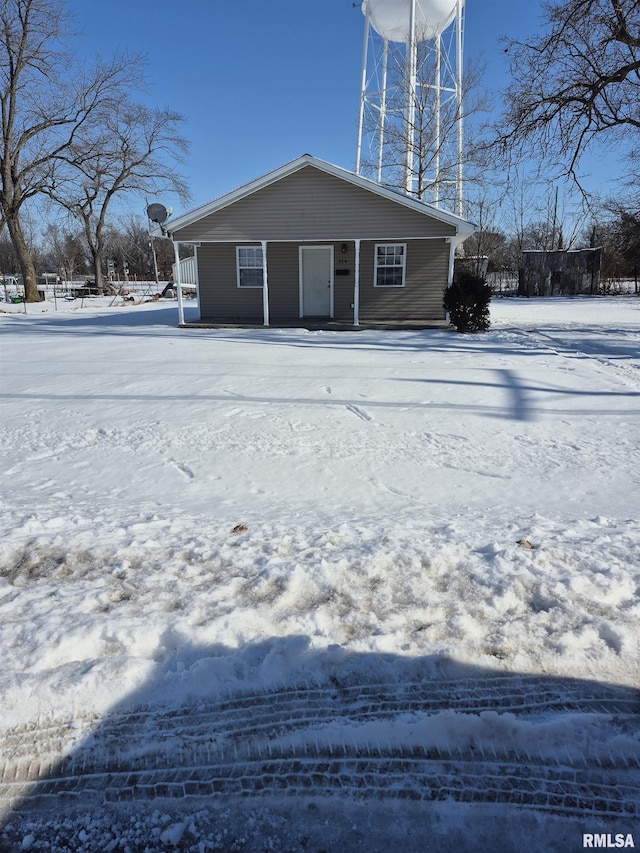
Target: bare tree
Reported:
[(66, 250), (618, 233), (129, 244), (127, 149), (45, 99), (487, 246), (575, 84)]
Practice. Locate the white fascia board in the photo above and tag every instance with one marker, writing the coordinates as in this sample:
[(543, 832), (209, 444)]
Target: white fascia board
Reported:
[(461, 225)]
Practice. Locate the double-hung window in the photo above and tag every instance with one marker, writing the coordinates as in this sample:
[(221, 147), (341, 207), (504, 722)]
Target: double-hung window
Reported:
[(390, 264), (249, 265)]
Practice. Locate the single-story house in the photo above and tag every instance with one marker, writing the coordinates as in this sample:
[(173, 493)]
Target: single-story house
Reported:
[(311, 242)]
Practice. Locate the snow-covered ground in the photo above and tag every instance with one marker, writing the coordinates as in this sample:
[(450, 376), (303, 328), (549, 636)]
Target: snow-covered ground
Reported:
[(189, 515)]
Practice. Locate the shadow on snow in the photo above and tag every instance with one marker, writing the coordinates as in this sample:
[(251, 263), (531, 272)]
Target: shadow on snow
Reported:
[(524, 401), (279, 746)]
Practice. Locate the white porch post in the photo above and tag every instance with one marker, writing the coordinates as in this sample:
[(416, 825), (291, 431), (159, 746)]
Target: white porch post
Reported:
[(265, 286), (452, 255), (178, 284), (195, 258), (356, 287)]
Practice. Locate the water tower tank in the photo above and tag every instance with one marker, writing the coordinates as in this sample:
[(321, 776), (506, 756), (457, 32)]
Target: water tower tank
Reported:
[(391, 18)]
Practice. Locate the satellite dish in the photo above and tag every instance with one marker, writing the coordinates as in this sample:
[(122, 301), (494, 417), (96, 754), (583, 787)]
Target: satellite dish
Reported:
[(157, 213)]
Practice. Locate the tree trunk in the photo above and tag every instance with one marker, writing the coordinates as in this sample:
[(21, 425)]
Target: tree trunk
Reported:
[(522, 289), (21, 249), (96, 264)]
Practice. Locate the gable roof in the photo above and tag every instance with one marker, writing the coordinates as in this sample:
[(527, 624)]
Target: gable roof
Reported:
[(462, 226)]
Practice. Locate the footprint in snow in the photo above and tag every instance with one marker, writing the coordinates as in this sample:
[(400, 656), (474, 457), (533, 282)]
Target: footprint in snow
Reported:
[(182, 468), (360, 413)]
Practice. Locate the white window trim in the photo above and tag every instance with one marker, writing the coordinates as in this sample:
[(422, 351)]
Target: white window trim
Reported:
[(375, 266), (248, 286)]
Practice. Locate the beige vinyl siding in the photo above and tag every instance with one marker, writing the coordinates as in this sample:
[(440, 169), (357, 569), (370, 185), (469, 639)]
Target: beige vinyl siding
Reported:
[(220, 297), (282, 268), (311, 205), (343, 284), (221, 300), (427, 267)]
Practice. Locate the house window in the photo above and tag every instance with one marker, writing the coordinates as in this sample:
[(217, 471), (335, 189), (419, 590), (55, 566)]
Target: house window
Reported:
[(390, 264), (250, 266)]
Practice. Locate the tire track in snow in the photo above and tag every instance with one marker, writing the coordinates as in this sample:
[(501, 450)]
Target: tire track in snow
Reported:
[(388, 774), (313, 740)]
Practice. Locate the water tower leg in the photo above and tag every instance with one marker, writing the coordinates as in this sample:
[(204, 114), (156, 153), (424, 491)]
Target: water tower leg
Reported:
[(363, 90), (438, 94), (383, 108), (459, 42), (410, 100)]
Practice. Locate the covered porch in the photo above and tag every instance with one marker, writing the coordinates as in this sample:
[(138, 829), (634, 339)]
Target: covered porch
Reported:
[(343, 284)]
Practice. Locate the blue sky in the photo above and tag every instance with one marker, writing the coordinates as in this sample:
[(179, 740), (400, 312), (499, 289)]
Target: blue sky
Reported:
[(261, 83)]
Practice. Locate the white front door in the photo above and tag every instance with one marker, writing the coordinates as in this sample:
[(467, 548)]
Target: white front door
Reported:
[(316, 281)]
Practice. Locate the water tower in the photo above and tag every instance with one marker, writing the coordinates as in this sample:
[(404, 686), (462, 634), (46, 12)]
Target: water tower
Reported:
[(411, 101)]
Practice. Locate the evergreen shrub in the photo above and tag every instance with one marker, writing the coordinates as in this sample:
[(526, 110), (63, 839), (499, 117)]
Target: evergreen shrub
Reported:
[(467, 301)]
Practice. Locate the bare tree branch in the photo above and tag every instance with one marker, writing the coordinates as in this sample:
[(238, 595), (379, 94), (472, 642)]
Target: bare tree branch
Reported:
[(575, 84), (45, 102), (129, 150)]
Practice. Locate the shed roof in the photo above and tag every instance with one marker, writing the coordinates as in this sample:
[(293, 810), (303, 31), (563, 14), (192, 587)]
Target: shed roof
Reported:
[(462, 226)]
